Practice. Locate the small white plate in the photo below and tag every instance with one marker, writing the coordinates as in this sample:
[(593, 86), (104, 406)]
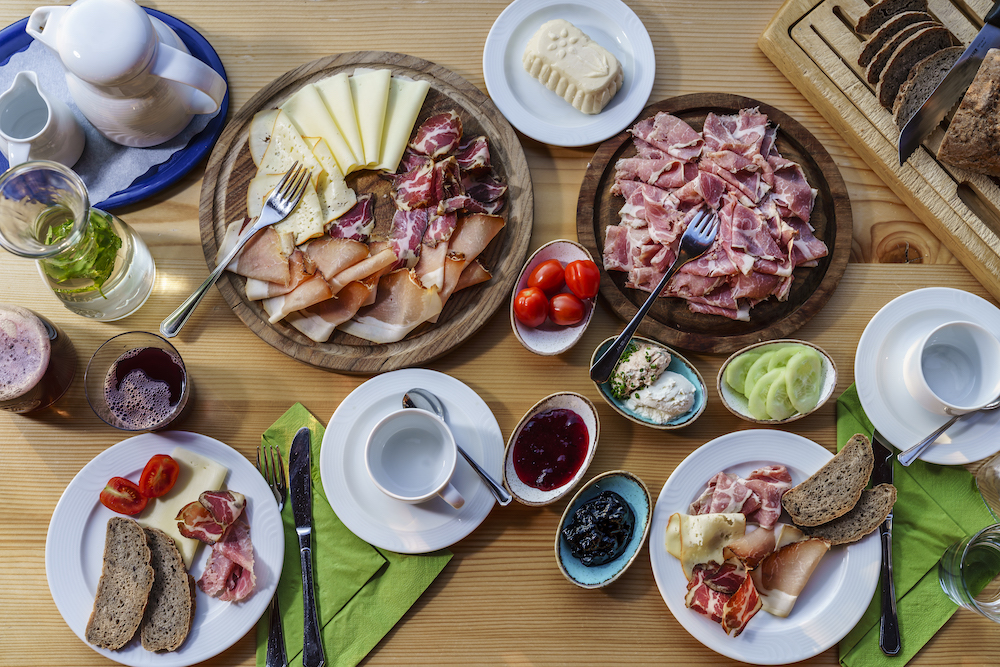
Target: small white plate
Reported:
[(838, 591), (381, 520), (878, 372), (74, 547), (540, 113)]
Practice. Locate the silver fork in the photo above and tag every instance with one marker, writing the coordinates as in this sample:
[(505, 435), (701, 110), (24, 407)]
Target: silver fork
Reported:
[(278, 206), (697, 238), (270, 466)]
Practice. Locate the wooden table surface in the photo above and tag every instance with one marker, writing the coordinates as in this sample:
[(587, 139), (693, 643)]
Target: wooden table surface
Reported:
[(501, 600)]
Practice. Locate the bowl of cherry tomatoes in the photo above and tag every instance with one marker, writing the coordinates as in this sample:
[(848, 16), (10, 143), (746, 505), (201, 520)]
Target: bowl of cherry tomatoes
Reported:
[(554, 297)]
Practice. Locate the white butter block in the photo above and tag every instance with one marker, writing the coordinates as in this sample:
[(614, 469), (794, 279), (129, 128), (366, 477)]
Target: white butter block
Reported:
[(336, 93), (406, 96), (370, 88), (311, 118)]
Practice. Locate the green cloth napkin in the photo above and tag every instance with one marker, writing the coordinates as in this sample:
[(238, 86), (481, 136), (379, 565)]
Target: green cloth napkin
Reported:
[(936, 506), (361, 591)]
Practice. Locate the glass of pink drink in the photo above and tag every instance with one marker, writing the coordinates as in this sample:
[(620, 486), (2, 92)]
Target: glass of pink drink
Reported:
[(37, 360)]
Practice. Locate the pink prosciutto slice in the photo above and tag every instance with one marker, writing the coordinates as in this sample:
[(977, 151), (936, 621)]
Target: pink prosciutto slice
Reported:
[(264, 257), (671, 135), (375, 264), (438, 135), (301, 269), (224, 506), (726, 492), (310, 292), (415, 188), (358, 223), (783, 575), (401, 306), (195, 521), (318, 322), (753, 547), (769, 484), (472, 234), (331, 255), (229, 574)]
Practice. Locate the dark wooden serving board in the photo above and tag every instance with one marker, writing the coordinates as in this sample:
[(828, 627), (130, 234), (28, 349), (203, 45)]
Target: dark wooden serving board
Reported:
[(669, 320), (230, 168)]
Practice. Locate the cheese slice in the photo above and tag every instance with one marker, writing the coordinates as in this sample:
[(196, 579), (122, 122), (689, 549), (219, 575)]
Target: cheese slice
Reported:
[(335, 196), (306, 221), (197, 474), (285, 148), (370, 89), (336, 93), (700, 538), (406, 96), (311, 118)]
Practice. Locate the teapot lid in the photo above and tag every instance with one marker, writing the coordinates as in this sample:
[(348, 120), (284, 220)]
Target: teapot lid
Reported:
[(106, 42)]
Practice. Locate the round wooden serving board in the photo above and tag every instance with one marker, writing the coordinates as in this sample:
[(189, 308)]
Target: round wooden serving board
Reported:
[(669, 320), (230, 168)]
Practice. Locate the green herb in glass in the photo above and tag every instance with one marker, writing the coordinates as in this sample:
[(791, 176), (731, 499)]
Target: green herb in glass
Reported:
[(93, 258)]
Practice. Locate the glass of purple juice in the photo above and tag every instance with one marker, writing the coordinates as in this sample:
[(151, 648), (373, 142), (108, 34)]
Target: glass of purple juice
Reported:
[(137, 381), (37, 360)]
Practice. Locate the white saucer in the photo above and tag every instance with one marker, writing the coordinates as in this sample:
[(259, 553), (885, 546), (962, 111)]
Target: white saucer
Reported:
[(878, 372), (381, 520), (538, 112)]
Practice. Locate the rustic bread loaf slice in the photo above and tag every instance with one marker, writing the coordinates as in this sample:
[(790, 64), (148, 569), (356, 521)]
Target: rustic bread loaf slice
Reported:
[(882, 10), (170, 611), (921, 82), (874, 71), (973, 137), (908, 54), (887, 31), (123, 589), (834, 489), (872, 509)]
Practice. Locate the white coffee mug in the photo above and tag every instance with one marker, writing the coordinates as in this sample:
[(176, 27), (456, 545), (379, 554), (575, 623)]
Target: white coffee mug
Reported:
[(954, 369), (410, 456), (35, 126)]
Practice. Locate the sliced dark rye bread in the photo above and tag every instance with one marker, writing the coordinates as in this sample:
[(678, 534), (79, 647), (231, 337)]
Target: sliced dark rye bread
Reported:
[(921, 82), (973, 137), (875, 68), (872, 509), (834, 489), (889, 30), (908, 54), (123, 590), (883, 10), (170, 611)]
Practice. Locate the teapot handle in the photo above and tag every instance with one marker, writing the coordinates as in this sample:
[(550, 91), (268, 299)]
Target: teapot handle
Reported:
[(208, 86)]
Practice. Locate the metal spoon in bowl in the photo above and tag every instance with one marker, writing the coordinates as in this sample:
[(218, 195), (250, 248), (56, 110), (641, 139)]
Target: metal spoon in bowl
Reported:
[(425, 400), (909, 455)]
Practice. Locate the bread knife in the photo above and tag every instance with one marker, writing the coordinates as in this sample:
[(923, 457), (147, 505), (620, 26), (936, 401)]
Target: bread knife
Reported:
[(952, 88), (300, 486), (888, 630)]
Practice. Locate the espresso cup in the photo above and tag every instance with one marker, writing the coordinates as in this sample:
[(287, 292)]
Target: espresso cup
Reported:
[(954, 369), (410, 456)]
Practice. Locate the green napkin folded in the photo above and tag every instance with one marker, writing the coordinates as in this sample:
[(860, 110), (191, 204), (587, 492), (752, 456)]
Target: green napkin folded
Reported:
[(361, 591), (936, 506)]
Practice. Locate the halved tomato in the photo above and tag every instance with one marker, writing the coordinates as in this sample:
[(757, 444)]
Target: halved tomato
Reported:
[(122, 496), (159, 476)]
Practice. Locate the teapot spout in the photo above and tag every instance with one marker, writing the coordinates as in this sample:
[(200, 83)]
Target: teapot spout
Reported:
[(43, 25)]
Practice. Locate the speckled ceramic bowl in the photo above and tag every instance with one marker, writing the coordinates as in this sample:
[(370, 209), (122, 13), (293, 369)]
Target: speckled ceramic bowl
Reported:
[(679, 365), (550, 339), (581, 405), (635, 493)]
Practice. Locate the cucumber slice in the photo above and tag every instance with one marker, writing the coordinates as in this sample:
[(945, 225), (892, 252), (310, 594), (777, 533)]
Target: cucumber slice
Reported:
[(756, 372), (781, 357), (778, 404), (757, 399), (736, 371), (804, 379)]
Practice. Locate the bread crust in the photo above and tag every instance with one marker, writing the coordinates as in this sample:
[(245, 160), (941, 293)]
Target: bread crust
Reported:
[(833, 490), (869, 513), (883, 10), (887, 31), (170, 611)]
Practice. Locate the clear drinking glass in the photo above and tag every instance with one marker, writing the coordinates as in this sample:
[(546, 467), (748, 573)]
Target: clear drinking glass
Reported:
[(969, 572), (95, 263), (988, 483)]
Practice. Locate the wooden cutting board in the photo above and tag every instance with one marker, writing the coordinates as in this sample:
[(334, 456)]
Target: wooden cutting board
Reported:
[(815, 46)]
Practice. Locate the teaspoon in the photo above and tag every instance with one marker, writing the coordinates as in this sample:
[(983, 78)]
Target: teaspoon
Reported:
[(908, 456)]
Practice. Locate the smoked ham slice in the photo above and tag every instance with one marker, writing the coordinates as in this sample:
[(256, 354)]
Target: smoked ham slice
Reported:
[(473, 274), (753, 547), (471, 236), (308, 293), (264, 257), (318, 322), (402, 304), (331, 256), (781, 576), (301, 268)]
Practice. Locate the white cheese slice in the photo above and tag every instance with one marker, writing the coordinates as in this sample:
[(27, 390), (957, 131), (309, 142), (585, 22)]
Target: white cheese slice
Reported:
[(311, 118), (336, 93), (306, 221), (260, 133), (335, 196), (285, 148), (700, 538), (370, 89), (406, 96), (197, 474)]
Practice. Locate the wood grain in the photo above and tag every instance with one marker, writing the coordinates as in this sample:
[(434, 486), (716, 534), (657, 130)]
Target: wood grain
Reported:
[(669, 319)]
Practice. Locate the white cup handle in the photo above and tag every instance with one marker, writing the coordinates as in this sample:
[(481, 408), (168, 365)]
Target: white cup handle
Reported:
[(18, 152), (451, 496)]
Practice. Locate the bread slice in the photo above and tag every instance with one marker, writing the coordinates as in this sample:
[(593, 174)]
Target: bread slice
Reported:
[(906, 55), (123, 589), (872, 509), (170, 611), (887, 31), (873, 73), (834, 489), (921, 82), (973, 137), (883, 10)]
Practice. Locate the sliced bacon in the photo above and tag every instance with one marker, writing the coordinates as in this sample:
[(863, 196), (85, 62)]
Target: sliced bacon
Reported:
[(358, 223), (438, 135), (474, 156)]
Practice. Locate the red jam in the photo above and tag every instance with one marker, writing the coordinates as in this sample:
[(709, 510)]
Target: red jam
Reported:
[(550, 449)]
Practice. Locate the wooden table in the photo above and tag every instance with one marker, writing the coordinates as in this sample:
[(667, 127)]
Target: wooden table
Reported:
[(501, 600)]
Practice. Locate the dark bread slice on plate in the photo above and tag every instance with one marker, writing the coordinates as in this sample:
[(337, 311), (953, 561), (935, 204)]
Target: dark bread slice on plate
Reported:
[(887, 31), (906, 55), (833, 490), (921, 82), (170, 611), (878, 62), (883, 10), (973, 137), (123, 589), (871, 510)]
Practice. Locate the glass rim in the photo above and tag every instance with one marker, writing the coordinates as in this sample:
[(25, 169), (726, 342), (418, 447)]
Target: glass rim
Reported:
[(78, 224)]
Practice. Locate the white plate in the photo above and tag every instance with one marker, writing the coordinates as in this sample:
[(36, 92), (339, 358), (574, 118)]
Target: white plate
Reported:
[(878, 372), (381, 520), (540, 113), (838, 592), (74, 547)]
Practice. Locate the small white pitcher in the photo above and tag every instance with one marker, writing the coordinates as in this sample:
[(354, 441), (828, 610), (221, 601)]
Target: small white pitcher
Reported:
[(34, 126)]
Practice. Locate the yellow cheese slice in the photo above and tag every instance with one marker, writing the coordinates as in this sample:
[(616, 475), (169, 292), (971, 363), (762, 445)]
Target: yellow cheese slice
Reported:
[(406, 96), (336, 93), (700, 538), (311, 118), (370, 89), (197, 474), (285, 148), (335, 197), (306, 221)]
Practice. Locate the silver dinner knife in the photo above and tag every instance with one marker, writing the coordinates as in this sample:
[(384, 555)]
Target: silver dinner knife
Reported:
[(888, 630), (300, 485)]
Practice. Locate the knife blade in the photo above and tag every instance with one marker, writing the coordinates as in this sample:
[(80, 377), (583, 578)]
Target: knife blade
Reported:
[(952, 87), (300, 486), (888, 633)]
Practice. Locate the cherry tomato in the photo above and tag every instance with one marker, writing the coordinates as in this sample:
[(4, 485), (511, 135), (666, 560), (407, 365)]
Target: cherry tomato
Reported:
[(566, 309), (530, 306), (547, 276), (158, 476), (122, 496), (583, 278)]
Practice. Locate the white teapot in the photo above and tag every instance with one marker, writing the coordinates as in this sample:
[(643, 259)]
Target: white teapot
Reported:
[(128, 72)]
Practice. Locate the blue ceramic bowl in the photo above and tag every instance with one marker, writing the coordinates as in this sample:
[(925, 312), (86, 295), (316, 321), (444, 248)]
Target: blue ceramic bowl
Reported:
[(635, 493)]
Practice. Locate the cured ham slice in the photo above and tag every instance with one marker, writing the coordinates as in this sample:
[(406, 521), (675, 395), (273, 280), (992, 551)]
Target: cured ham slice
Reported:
[(224, 506), (485, 188), (405, 234), (447, 180), (264, 257), (331, 255), (740, 608), (472, 234), (671, 135), (318, 322), (430, 267), (769, 484), (474, 156), (308, 293), (415, 188), (725, 594), (301, 268), (195, 521), (357, 224), (783, 575), (229, 574), (726, 493), (473, 274), (380, 261), (438, 135), (753, 547), (758, 496), (663, 173), (402, 305)]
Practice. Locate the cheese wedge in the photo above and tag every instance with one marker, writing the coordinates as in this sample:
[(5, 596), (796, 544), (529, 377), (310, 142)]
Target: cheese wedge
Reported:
[(406, 96), (336, 93), (285, 148), (700, 538), (335, 196), (306, 221), (370, 89), (311, 118), (260, 133)]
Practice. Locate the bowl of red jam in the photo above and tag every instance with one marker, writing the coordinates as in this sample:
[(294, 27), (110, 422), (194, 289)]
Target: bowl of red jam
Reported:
[(551, 448)]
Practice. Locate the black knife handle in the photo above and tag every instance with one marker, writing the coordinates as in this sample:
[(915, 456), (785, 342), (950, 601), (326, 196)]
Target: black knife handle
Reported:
[(312, 642), (888, 629), (993, 16)]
